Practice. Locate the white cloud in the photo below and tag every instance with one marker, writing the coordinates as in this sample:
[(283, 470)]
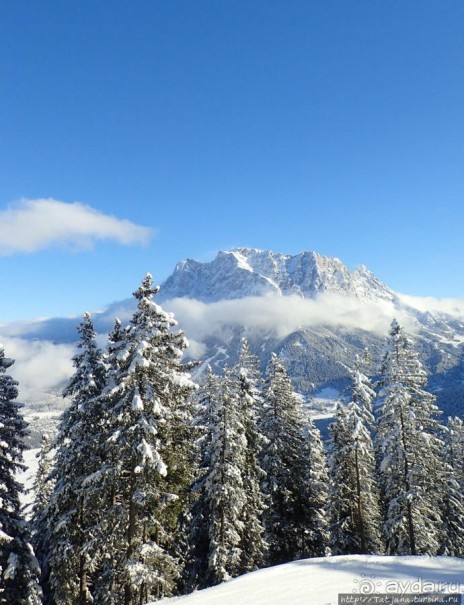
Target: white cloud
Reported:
[(284, 314), (450, 306), (196, 350), (40, 366), (32, 225)]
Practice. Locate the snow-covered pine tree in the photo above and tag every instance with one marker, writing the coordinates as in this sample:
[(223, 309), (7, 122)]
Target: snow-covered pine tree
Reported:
[(106, 540), (354, 495), (148, 454), (223, 487), (284, 461), (19, 570), (316, 534), (342, 484), (452, 530), (197, 520), (72, 510), (408, 451), (455, 448), (42, 489), (247, 384)]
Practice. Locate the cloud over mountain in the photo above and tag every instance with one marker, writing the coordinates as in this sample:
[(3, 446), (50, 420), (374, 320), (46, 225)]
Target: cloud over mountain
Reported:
[(285, 314), (453, 307)]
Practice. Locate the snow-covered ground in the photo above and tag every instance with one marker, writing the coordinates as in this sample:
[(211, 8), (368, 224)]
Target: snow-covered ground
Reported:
[(320, 581), (27, 478), (323, 404), (40, 423)]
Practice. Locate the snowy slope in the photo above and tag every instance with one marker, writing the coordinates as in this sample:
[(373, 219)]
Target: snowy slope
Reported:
[(27, 477), (319, 581)]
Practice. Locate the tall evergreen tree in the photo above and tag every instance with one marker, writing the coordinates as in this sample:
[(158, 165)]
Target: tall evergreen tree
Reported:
[(226, 531), (355, 500), (71, 512), (148, 454), (42, 489), (455, 448), (316, 536), (198, 518), (408, 450), (452, 530), (19, 570), (224, 486), (342, 482), (284, 462), (102, 484), (248, 388)]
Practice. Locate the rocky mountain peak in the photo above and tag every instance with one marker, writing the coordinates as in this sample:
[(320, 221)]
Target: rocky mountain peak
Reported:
[(244, 272)]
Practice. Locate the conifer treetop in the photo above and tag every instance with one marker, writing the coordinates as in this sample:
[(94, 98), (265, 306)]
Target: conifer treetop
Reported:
[(146, 288)]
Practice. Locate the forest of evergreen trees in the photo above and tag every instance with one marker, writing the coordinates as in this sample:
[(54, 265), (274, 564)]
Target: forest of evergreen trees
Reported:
[(155, 486)]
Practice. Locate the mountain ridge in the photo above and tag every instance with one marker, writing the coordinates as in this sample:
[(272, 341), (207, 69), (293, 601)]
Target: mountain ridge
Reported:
[(253, 272)]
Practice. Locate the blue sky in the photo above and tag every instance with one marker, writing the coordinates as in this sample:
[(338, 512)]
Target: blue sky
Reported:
[(327, 125)]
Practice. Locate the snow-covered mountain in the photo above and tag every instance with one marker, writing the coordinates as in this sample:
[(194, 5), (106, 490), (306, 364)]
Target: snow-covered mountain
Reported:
[(250, 272), (345, 312), (312, 310)]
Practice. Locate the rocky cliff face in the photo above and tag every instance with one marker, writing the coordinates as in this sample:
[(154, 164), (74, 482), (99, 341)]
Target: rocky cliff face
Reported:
[(250, 272)]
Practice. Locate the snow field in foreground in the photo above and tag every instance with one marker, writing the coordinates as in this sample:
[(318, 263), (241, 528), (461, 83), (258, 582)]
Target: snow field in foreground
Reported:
[(319, 581)]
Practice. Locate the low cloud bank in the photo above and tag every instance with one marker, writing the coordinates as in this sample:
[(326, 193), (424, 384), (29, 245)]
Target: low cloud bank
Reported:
[(43, 366), (284, 314), (450, 306), (32, 225)]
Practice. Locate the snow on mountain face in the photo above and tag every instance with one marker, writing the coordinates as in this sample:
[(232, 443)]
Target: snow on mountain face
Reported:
[(250, 272)]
